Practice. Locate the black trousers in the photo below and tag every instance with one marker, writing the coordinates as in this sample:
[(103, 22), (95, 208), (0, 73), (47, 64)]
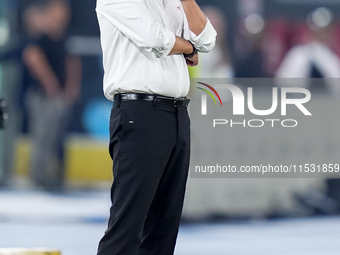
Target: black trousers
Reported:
[(150, 148)]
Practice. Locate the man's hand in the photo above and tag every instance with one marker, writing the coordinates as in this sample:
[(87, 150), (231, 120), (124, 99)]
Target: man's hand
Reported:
[(37, 63), (193, 61)]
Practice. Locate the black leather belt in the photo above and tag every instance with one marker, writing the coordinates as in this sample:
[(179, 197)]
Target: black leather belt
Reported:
[(180, 101)]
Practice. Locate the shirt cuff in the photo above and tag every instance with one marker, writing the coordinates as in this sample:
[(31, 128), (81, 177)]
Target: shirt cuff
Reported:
[(169, 42), (205, 41)]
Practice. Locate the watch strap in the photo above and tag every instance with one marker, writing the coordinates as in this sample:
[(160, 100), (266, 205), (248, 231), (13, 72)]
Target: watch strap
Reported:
[(194, 52)]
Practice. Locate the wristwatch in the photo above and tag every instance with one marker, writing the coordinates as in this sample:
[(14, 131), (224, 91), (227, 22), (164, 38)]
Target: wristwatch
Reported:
[(194, 52)]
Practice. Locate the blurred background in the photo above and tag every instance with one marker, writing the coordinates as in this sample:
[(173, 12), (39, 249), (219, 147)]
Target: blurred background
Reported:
[(57, 176)]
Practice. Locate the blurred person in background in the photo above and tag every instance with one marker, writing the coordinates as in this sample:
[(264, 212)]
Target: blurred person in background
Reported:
[(54, 84), (315, 58)]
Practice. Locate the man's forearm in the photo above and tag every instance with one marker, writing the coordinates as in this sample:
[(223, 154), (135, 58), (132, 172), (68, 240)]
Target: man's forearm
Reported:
[(36, 62), (181, 46), (196, 18), (184, 46)]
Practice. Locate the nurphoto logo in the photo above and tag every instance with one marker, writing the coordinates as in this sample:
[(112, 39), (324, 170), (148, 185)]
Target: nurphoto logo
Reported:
[(297, 97)]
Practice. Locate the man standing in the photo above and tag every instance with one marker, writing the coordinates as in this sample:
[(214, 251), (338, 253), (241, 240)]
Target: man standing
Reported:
[(54, 78), (147, 45)]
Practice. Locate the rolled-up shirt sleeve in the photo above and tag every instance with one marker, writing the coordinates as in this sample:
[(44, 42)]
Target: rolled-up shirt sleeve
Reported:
[(133, 19), (205, 41)]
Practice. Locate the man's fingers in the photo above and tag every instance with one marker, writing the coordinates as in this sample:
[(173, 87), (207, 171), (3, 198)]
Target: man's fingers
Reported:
[(192, 61)]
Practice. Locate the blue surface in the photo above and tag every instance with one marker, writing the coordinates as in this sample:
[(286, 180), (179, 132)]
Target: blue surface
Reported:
[(74, 223)]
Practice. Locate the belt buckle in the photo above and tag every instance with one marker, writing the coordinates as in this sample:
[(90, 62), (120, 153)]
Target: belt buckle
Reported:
[(174, 102), (179, 102)]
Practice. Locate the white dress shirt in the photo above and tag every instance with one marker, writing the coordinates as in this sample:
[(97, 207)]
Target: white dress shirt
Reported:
[(136, 38)]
